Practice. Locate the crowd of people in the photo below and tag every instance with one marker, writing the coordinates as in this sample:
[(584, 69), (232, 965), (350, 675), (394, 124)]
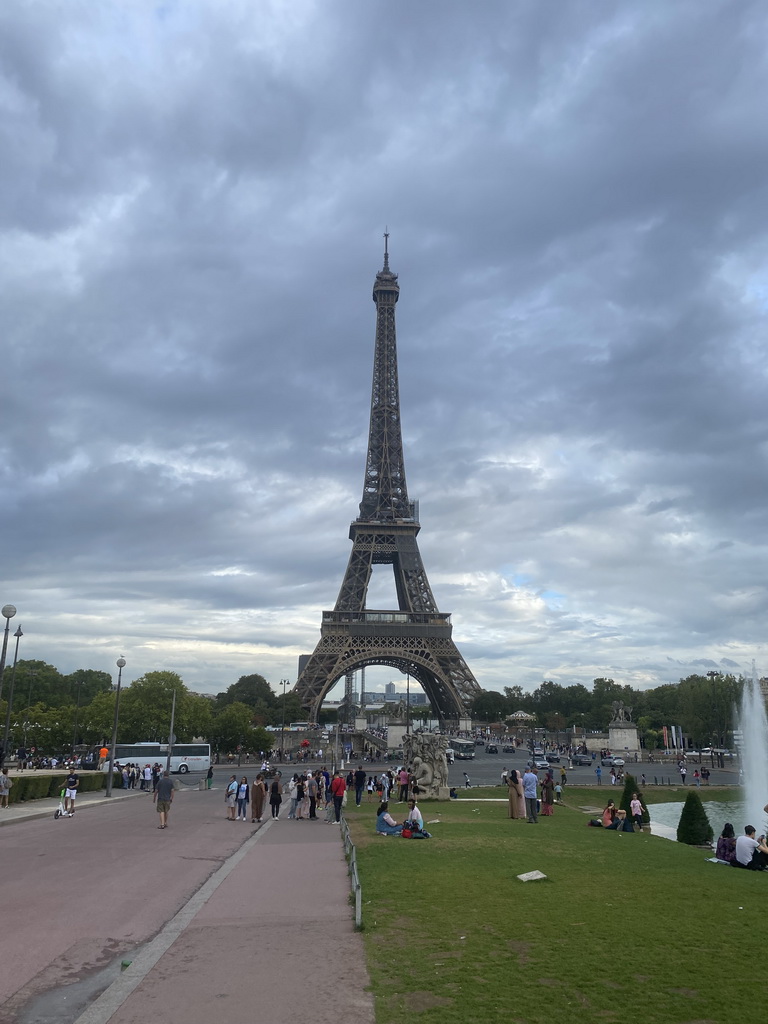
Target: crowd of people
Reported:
[(305, 793)]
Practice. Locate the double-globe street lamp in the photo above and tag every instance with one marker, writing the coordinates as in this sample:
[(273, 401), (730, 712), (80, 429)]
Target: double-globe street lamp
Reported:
[(111, 769), (8, 611), (18, 634)]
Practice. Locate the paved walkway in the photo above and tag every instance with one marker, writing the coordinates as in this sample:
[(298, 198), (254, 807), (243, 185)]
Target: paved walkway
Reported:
[(269, 936), (26, 810)]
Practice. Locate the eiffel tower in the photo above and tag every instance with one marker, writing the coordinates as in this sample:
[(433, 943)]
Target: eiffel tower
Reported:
[(416, 637)]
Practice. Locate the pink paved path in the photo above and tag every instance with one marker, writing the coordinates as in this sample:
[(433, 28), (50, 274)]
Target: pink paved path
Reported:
[(80, 892), (275, 942)]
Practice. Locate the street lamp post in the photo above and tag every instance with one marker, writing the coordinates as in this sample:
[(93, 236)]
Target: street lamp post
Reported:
[(18, 634), (77, 714), (172, 735), (8, 611), (408, 704), (110, 771), (283, 683)]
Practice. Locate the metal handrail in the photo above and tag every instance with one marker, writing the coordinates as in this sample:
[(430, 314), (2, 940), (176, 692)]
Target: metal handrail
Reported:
[(350, 852)]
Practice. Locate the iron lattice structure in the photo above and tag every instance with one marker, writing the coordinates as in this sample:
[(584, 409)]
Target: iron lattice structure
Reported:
[(416, 637)]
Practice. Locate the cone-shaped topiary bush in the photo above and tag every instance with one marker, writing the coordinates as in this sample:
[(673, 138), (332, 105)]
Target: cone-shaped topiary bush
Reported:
[(693, 827), (630, 787)]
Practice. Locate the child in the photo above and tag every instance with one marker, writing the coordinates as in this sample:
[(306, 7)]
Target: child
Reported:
[(558, 793)]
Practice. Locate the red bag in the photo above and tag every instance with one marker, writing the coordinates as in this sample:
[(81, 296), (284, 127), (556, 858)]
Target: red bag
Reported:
[(406, 833)]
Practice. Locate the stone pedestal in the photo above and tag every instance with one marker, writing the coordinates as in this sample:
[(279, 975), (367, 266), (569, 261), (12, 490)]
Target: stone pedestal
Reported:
[(623, 738), (395, 734), (443, 793)]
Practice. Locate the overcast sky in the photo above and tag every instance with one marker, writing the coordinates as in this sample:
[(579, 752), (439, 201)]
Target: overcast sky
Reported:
[(192, 202)]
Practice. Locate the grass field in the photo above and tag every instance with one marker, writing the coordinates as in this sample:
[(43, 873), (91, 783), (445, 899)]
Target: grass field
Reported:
[(626, 928)]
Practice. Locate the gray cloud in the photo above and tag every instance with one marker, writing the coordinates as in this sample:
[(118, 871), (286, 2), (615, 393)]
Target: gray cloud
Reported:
[(191, 212)]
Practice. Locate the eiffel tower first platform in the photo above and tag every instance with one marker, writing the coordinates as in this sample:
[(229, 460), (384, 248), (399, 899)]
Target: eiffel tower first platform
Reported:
[(416, 637)]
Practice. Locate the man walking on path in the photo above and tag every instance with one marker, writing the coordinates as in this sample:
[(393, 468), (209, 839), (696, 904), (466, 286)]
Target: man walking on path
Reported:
[(338, 789), (163, 798), (530, 781), (360, 777), (599, 774)]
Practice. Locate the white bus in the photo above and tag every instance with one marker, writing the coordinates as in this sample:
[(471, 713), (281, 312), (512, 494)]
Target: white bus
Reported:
[(185, 757), (463, 750)]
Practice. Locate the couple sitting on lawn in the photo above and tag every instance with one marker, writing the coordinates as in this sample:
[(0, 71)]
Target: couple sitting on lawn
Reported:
[(413, 824)]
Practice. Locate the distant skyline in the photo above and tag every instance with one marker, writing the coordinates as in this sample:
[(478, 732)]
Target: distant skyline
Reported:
[(192, 204)]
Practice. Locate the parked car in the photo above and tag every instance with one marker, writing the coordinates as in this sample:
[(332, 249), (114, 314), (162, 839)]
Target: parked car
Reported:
[(539, 763), (612, 762), (491, 749), (580, 760), (553, 758), (508, 748)]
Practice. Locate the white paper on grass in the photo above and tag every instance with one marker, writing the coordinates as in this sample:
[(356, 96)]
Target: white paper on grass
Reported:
[(532, 876)]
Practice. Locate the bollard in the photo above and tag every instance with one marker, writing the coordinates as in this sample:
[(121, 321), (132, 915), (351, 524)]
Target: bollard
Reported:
[(655, 781), (202, 784)]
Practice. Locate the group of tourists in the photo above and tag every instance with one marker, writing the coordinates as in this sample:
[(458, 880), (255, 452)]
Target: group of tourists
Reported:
[(305, 792), (527, 795)]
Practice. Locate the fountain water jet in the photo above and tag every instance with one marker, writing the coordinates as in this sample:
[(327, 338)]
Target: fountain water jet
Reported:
[(753, 723)]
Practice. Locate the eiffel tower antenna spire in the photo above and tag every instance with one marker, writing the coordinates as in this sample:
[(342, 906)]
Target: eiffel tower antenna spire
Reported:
[(415, 638)]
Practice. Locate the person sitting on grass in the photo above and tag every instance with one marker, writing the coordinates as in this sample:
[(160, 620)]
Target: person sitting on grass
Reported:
[(609, 814), (726, 844), (615, 818), (415, 816), (751, 853), (385, 823)]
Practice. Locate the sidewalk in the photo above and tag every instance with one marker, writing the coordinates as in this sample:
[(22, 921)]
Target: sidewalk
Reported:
[(269, 936), (27, 810)]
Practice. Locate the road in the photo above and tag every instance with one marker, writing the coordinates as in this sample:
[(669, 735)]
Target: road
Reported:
[(485, 770), (79, 892)]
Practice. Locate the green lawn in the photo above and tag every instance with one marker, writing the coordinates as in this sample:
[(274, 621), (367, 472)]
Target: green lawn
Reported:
[(627, 928)]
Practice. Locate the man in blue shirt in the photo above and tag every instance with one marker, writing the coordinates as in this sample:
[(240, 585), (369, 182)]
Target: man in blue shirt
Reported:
[(530, 782)]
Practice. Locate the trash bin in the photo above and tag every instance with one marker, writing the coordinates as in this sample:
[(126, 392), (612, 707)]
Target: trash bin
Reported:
[(202, 784)]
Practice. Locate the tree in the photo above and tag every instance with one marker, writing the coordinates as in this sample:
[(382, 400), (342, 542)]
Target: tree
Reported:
[(95, 719), (490, 706), (49, 729), (145, 710), (250, 690), (694, 827), (233, 726), (82, 686)]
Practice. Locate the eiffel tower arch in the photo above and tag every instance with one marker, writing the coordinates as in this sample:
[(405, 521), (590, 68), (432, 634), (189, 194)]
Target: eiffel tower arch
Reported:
[(415, 637)]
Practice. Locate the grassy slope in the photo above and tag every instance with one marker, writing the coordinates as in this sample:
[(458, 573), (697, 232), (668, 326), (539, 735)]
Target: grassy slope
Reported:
[(627, 928)]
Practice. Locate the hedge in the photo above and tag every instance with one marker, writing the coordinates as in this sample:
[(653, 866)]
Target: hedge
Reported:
[(694, 827), (37, 787)]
